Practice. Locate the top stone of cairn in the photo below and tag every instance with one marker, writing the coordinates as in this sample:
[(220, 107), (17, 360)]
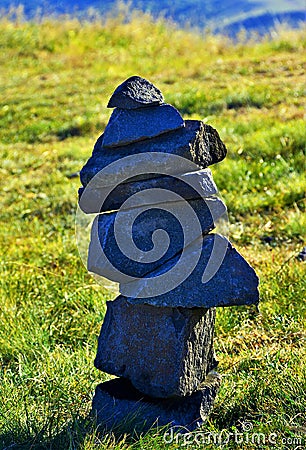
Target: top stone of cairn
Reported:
[(135, 92)]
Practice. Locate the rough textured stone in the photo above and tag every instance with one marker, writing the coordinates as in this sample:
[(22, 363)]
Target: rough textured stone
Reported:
[(137, 241), (197, 143), (135, 92), (118, 406), (164, 352), (189, 186), (234, 282), (127, 126)]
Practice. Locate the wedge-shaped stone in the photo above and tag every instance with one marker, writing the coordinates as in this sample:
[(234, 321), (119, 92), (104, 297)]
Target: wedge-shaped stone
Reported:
[(129, 125), (198, 145), (135, 92), (134, 242), (221, 277), (189, 186), (119, 407), (164, 352)]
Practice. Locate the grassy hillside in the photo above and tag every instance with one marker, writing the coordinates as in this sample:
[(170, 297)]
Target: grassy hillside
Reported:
[(229, 15), (56, 78)]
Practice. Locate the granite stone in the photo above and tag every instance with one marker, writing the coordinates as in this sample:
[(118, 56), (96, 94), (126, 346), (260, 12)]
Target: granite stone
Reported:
[(197, 143), (221, 277), (119, 407), (129, 125), (135, 92), (164, 352), (133, 242), (189, 186), (148, 180)]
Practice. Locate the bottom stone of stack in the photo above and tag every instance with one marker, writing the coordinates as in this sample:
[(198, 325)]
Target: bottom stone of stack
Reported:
[(118, 406)]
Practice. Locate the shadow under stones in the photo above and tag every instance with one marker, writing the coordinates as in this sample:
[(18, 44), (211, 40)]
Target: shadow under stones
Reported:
[(77, 130), (72, 436)]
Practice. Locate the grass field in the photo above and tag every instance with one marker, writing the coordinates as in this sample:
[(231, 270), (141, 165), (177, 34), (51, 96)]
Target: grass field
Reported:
[(56, 78)]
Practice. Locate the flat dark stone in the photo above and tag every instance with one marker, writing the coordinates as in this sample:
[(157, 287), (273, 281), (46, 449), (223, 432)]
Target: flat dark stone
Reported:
[(135, 92), (119, 407), (131, 243), (164, 352), (198, 145), (189, 186), (129, 125), (234, 281)]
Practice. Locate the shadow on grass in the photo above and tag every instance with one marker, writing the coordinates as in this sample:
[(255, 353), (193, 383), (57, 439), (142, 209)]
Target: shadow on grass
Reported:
[(77, 434), (75, 130), (72, 436), (80, 433)]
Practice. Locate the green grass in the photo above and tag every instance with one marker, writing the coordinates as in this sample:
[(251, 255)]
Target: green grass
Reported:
[(56, 78)]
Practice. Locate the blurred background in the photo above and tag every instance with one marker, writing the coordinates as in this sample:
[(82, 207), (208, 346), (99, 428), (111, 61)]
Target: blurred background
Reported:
[(228, 16)]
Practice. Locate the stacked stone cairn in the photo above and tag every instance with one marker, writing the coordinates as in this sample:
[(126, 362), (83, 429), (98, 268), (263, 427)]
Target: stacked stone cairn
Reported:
[(157, 339)]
